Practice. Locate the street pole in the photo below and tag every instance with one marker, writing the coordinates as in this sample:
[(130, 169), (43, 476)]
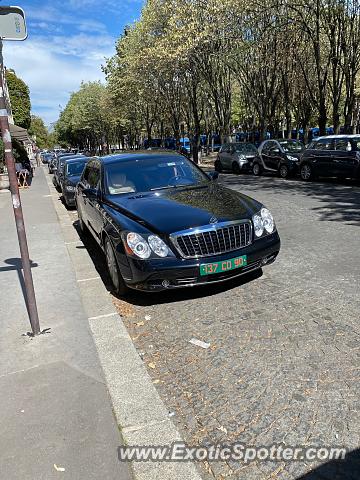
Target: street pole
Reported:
[(16, 201)]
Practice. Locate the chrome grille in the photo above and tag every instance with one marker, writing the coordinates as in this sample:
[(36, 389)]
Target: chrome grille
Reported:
[(213, 239)]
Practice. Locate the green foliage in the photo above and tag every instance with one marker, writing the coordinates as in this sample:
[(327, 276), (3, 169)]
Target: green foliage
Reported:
[(20, 99), (38, 129)]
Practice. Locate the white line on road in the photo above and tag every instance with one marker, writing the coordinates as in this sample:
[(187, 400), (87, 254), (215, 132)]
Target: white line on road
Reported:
[(103, 316), (88, 279)]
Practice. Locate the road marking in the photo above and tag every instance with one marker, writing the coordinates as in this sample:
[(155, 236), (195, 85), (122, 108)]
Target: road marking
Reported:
[(103, 316), (73, 243), (88, 279)]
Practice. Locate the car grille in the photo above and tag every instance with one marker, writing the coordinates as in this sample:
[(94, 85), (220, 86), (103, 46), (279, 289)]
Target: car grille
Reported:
[(213, 240)]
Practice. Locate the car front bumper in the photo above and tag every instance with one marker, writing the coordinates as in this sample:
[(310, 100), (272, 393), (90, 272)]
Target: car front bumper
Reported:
[(69, 198), (174, 272)]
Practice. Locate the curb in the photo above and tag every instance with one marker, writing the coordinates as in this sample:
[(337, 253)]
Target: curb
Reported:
[(140, 413)]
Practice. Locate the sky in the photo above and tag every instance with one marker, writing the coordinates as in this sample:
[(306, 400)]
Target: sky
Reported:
[(67, 43)]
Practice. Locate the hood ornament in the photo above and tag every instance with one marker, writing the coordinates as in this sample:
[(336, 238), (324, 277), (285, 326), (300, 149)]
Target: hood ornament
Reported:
[(213, 220)]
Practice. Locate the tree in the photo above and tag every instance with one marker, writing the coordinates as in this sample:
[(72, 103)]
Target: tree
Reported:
[(38, 129), (20, 99)]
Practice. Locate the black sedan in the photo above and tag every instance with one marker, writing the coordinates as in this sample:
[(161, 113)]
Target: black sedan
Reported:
[(163, 223), (72, 171)]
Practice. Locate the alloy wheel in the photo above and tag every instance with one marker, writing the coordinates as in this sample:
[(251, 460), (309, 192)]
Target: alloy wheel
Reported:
[(112, 265), (306, 172), (256, 169), (284, 171)]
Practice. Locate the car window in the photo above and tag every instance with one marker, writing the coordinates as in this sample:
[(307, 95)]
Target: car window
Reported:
[(245, 148), (151, 174), (324, 144), (343, 145), (292, 146), (355, 144), (75, 168), (267, 147), (94, 174), (225, 148)]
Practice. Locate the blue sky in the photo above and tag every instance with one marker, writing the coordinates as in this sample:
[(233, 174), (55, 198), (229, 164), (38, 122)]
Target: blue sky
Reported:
[(67, 43)]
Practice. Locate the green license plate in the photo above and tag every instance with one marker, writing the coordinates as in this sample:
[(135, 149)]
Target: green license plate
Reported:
[(224, 266)]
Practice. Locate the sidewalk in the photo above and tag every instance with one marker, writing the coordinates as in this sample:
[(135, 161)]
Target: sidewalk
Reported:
[(55, 411)]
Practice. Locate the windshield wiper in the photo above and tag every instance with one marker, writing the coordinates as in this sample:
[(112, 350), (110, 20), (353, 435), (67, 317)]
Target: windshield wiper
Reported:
[(173, 186)]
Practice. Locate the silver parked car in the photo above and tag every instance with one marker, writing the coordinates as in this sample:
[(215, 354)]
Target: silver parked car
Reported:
[(237, 157)]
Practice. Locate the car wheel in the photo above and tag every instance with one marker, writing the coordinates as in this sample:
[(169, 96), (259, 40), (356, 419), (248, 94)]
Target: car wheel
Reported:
[(283, 171), (218, 166), (256, 169), (306, 172), (236, 168), (118, 283)]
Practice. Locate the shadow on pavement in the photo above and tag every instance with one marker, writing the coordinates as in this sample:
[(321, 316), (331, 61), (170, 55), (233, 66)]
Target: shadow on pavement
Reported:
[(16, 264), (166, 296), (340, 200), (347, 469)]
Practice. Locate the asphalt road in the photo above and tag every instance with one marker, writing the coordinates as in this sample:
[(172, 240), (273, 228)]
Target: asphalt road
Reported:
[(283, 365)]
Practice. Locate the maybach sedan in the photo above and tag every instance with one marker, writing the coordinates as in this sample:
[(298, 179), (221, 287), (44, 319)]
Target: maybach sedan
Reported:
[(164, 223)]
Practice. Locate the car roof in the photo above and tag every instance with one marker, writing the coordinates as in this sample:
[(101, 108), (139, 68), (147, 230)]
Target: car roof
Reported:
[(337, 136), (139, 155), (76, 159)]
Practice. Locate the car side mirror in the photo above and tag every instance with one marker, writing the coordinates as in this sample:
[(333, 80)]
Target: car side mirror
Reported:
[(213, 175), (91, 192)]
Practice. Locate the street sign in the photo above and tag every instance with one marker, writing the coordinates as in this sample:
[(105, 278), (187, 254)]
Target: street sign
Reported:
[(12, 23)]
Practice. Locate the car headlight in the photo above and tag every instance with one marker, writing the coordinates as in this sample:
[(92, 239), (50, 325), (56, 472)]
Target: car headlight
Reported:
[(263, 223), (258, 225), (70, 188), (292, 159), (268, 220), (138, 245), (158, 246)]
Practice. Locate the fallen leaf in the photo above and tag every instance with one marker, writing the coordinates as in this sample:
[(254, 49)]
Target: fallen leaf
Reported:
[(140, 324), (59, 469), (151, 365), (156, 381)]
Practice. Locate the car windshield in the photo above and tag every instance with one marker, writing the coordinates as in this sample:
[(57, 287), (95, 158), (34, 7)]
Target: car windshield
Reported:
[(245, 147), (75, 168), (292, 146), (151, 174)]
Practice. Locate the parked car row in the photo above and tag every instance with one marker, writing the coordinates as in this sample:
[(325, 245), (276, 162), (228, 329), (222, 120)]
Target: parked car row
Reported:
[(163, 223), (331, 156)]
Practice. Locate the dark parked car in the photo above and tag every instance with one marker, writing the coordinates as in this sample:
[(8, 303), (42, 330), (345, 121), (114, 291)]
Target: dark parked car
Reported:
[(72, 171), (279, 156), (59, 169), (46, 157), (237, 157), (332, 156), (163, 223)]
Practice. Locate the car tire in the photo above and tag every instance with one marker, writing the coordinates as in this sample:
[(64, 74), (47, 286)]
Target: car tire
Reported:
[(117, 281), (284, 171), (218, 166), (236, 168), (306, 172), (256, 169)]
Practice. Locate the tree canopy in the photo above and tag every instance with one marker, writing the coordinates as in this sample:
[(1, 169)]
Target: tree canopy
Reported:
[(196, 67), (19, 98)]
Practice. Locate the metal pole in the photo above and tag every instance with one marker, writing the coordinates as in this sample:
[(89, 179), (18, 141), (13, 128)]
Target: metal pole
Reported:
[(16, 201)]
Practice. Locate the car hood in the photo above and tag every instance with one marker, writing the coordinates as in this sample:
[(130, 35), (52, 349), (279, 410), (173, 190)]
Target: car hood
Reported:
[(73, 180), (182, 208)]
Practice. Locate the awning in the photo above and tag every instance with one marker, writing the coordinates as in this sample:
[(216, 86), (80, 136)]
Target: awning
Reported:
[(20, 134)]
